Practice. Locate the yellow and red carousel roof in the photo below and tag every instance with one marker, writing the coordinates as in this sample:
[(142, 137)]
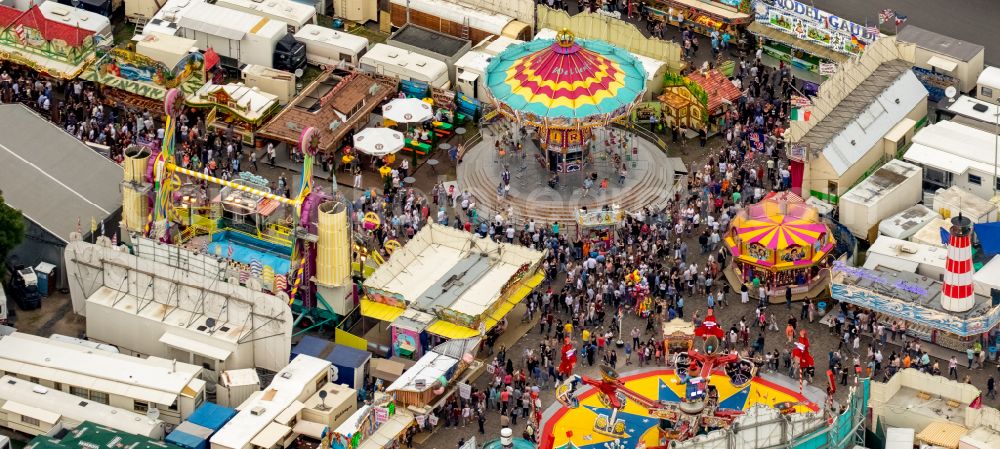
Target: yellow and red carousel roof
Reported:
[(565, 80)]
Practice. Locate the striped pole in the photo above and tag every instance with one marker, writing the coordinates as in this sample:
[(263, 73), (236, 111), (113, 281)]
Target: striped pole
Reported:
[(240, 187)]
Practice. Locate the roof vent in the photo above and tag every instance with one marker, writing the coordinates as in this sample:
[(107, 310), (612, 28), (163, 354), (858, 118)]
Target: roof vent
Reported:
[(83, 403), (257, 411), (286, 375), (39, 389), (12, 381), (60, 11)]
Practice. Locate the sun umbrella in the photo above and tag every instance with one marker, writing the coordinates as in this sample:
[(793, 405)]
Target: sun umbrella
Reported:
[(378, 141), (407, 110)]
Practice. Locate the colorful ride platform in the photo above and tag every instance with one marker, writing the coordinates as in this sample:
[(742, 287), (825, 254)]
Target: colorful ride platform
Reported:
[(565, 427)]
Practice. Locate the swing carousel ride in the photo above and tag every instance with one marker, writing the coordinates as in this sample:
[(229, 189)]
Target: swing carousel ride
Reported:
[(565, 89), (706, 389)]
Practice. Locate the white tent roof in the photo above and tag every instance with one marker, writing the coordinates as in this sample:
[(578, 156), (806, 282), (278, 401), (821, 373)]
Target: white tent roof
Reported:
[(437, 251), (219, 21), (952, 147), (431, 366), (871, 125)]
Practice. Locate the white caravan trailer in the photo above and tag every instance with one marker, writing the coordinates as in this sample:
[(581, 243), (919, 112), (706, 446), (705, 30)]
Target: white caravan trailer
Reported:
[(406, 65), (327, 46)]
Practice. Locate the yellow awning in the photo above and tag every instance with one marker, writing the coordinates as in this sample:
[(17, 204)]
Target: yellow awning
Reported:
[(514, 300), (942, 433), (379, 311), (451, 331)]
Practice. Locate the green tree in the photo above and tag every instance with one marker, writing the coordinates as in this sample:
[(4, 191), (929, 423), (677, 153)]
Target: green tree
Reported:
[(11, 230)]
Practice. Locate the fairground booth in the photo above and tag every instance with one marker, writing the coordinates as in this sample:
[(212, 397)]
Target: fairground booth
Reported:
[(597, 229), (806, 37), (704, 16), (954, 312), (695, 100), (781, 242), (142, 72), (39, 40), (564, 89), (446, 284)]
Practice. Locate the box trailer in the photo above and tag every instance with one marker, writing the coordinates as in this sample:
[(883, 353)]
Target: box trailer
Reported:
[(384, 59), (329, 47), (295, 15), (240, 38), (470, 76), (894, 187), (906, 223), (273, 81), (452, 18), (349, 365)]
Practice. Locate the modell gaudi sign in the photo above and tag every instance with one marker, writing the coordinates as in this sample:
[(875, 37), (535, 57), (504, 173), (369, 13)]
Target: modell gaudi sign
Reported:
[(811, 24)]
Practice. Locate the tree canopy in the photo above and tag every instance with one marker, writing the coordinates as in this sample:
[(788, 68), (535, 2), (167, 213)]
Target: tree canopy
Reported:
[(11, 230)]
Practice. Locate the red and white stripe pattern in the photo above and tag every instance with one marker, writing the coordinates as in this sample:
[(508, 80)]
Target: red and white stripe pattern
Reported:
[(957, 293)]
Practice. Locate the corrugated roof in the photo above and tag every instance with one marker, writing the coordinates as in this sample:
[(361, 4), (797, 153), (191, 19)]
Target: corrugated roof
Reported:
[(52, 177), (939, 43), (866, 114)]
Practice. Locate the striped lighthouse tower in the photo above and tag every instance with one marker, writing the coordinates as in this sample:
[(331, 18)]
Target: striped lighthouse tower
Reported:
[(957, 292)]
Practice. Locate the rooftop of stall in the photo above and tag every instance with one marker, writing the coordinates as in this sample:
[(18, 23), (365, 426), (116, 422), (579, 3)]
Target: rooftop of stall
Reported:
[(348, 360), (200, 426), (212, 416), (434, 44)]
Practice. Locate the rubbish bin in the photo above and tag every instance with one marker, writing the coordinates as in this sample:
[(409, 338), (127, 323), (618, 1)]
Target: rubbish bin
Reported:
[(46, 278)]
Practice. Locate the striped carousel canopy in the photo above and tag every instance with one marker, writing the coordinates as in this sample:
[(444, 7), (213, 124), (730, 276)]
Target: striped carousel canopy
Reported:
[(572, 80)]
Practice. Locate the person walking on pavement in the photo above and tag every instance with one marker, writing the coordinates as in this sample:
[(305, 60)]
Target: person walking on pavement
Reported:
[(953, 368), (788, 298), (271, 153), (991, 390)]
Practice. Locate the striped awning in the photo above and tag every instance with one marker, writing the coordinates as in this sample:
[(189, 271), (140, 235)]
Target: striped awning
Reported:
[(943, 434)]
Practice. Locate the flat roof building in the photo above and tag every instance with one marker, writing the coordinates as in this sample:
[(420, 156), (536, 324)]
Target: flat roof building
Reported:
[(118, 380), (48, 407), (434, 44)]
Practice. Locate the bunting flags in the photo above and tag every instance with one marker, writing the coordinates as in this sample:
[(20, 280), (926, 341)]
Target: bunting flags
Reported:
[(900, 19), (800, 115)]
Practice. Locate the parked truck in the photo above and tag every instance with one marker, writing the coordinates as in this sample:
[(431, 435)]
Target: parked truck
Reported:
[(239, 38)]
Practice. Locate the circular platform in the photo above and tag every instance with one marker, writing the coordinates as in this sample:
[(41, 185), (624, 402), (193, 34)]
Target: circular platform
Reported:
[(649, 181), (575, 427)]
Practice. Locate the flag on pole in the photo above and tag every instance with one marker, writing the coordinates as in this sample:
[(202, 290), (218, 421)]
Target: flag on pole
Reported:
[(886, 15), (800, 115), (872, 30), (79, 227), (93, 225), (102, 229), (900, 19)]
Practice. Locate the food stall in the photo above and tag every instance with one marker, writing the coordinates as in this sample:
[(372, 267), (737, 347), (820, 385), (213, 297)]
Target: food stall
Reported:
[(703, 16), (596, 229), (678, 335)]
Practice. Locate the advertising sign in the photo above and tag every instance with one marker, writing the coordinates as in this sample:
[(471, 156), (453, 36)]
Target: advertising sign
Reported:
[(808, 23)]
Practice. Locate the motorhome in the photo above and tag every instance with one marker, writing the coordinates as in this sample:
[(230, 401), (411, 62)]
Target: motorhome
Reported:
[(384, 59), (329, 47)]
